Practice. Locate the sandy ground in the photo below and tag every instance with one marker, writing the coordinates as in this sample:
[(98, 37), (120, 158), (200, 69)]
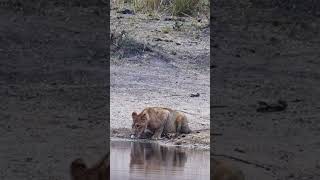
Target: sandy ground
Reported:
[(53, 98), (261, 52), (150, 67)]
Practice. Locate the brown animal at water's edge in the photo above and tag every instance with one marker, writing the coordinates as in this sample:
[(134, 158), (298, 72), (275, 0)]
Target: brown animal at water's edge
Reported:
[(99, 171), (221, 170), (157, 121)]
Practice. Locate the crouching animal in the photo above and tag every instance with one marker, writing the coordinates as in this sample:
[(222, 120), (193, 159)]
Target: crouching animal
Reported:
[(99, 171), (157, 121), (221, 170)]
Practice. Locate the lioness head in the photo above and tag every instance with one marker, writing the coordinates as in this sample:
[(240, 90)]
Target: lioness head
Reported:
[(139, 125)]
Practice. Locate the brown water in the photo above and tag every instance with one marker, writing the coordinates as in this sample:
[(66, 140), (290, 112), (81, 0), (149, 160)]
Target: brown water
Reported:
[(149, 161)]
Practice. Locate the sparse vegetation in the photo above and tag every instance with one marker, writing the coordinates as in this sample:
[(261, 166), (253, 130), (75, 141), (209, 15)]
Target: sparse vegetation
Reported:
[(182, 7), (173, 7), (146, 5), (166, 29)]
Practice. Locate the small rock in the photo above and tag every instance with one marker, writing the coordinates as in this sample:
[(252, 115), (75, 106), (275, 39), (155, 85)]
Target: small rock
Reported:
[(178, 143), (213, 66), (115, 131), (275, 23), (81, 119), (195, 95), (239, 150), (125, 11), (72, 126), (271, 107), (273, 40), (297, 100), (168, 19), (28, 159), (291, 175), (215, 45), (268, 169)]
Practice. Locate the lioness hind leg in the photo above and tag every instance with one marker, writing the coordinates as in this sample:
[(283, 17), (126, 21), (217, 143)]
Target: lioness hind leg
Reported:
[(184, 125), (178, 128), (185, 129), (158, 133)]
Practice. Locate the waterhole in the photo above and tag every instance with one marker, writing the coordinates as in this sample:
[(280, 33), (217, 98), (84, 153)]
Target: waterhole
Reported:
[(132, 160)]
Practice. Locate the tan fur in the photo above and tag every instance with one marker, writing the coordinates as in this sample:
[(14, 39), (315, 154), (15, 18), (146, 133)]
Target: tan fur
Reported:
[(223, 171), (158, 121), (99, 171)]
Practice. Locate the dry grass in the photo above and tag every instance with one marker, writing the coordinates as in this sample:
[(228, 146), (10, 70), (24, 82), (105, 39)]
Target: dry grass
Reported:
[(182, 7), (146, 5), (173, 7)]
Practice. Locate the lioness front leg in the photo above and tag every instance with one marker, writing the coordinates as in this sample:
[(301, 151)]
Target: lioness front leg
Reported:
[(178, 129), (157, 133)]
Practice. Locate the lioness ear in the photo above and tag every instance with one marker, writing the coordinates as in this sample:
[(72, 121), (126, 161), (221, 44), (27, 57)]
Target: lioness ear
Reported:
[(143, 116), (134, 115)]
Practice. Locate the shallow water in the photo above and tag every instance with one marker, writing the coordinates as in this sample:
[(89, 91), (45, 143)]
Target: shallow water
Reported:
[(149, 161)]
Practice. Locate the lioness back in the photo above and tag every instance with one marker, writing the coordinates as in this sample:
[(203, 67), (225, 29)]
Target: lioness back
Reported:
[(159, 120), (177, 121)]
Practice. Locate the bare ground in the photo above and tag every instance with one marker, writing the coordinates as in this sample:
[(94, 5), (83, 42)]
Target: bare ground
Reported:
[(262, 52), (53, 91)]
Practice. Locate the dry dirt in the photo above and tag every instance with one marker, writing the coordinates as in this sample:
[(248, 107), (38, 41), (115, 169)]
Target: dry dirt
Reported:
[(265, 52), (153, 64), (53, 76)]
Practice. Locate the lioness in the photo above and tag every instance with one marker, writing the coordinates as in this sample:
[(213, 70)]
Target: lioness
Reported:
[(221, 170), (99, 171), (157, 121)]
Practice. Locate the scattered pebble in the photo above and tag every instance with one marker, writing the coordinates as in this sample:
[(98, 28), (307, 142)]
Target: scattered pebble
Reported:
[(239, 150), (178, 143), (125, 11), (28, 159), (195, 95)]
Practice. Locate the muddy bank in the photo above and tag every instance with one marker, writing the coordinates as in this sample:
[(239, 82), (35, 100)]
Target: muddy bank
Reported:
[(199, 139)]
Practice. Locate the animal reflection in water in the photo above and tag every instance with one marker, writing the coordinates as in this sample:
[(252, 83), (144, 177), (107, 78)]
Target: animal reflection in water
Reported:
[(153, 156)]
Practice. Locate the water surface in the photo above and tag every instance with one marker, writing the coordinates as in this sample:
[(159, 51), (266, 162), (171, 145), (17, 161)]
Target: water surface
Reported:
[(150, 161)]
